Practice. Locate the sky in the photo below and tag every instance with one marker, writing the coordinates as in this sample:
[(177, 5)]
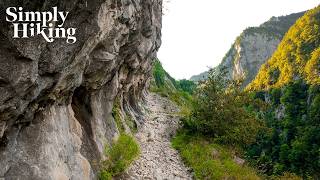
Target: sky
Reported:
[(196, 34)]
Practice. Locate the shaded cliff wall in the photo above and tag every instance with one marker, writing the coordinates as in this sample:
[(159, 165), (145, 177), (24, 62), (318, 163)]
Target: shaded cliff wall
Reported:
[(56, 98)]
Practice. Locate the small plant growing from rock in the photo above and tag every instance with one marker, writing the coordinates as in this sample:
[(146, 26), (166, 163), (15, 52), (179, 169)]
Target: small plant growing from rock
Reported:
[(119, 157)]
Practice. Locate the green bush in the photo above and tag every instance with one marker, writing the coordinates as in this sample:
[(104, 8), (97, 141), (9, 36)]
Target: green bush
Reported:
[(162, 79), (119, 156), (158, 74), (210, 160), (220, 110), (177, 91), (187, 86), (105, 175)]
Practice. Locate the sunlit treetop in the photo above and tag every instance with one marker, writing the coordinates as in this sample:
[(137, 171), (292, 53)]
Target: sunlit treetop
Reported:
[(297, 56)]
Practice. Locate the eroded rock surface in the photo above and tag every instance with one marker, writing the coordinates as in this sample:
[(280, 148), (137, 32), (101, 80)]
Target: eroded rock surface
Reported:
[(56, 99), (250, 51)]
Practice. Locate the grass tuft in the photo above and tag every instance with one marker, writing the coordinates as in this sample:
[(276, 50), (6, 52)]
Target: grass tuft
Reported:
[(119, 157), (210, 160)]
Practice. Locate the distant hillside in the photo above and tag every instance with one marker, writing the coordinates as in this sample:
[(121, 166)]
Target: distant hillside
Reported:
[(297, 57), (253, 47), (165, 85), (200, 77)]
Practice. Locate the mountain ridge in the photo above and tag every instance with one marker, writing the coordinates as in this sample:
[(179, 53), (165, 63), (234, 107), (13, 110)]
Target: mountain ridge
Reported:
[(253, 47), (297, 56)]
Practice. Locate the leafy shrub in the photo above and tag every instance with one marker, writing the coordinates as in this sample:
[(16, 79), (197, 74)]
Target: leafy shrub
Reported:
[(163, 81), (287, 176), (119, 156), (166, 86), (210, 160), (220, 111), (105, 175), (187, 86)]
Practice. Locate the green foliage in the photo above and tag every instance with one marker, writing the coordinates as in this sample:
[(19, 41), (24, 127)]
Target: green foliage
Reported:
[(293, 144), (262, 30), (287, 176), (276, 26), (280, 25), (158, 74), (210, 160), (119, 156), (221, 110), (274, 29), (177, 91), (164, 81), (131, 123), (116, 113), (297, 56), (182, 99), (187, 86), (161, 77), (104, 175), (313, 68)]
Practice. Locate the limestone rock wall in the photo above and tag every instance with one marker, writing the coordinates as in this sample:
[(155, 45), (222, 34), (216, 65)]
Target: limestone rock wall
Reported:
[(56, 99), (252, 48), (255, 46), (246, 56)]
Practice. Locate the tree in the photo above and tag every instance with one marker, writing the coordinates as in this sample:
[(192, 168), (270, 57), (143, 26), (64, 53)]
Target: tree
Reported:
[(221, 111)]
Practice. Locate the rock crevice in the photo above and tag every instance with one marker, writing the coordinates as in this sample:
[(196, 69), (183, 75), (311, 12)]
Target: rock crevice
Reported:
[(56, 99)]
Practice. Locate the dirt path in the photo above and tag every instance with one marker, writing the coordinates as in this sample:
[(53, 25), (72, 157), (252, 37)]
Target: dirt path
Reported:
[(158, 159)]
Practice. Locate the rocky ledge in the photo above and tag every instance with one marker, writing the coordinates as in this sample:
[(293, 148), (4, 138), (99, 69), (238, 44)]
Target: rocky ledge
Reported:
[(56, 98)]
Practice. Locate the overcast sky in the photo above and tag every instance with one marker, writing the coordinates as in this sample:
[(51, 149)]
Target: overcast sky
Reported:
[(198, 33)]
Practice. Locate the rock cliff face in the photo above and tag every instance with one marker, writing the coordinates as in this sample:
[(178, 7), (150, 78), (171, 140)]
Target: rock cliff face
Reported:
[(253, 48), (56, 99), (247, 54)]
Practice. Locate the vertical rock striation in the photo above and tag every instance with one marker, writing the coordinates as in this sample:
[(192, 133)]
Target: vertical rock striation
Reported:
[(56, 99), (247, 54)]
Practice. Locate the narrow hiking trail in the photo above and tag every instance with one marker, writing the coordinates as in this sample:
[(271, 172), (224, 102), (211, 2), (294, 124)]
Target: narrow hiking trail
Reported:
[(158, 160)]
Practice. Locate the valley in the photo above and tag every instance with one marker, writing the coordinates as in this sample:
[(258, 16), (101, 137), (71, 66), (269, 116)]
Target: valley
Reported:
[(104, 107)]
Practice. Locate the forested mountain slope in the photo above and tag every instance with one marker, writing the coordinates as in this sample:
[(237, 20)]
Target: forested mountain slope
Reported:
[(297, 56), (290, 85), (254, 47)]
